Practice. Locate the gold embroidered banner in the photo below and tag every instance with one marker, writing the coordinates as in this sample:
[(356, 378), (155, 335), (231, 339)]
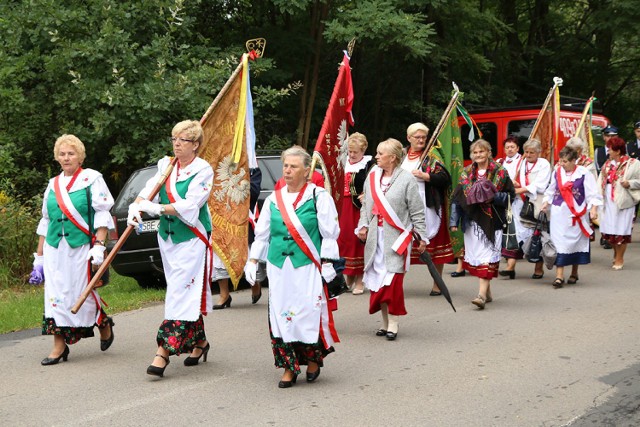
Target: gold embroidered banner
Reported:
[(229, 200)]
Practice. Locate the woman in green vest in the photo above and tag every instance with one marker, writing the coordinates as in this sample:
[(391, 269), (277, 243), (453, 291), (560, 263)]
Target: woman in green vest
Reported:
[(183, 238), (297, 236), (73, 229)]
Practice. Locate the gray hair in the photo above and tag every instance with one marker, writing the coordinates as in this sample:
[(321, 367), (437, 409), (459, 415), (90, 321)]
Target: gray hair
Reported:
[(481, 143), (533, 144), (577, 144), (298, 151)]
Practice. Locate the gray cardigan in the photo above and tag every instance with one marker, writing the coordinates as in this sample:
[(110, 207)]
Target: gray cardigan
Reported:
[(404, 197)]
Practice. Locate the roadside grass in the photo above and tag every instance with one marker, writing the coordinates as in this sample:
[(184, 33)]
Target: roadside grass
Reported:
[(21, 307)]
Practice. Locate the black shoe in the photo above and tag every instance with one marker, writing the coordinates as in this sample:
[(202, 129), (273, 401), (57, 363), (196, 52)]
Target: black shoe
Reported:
[(225, 304), (511, 274), (157, 371), (287, 384), (537, 276), (55, 360), (312, 376), (391, 335), (381, 332), (558, 283), (254, 298), (193, 361), (458, 273), (435, 293), (105, 344)]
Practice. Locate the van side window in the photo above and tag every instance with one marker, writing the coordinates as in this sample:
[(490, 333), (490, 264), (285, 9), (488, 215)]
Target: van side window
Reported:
[(489, 133), (522, 129)]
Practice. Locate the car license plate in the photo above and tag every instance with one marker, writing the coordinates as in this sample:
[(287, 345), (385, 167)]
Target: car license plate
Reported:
[(149, 226)]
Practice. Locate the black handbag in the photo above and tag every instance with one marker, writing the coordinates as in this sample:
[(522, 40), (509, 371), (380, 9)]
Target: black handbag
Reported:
[(509, 238), (534, 252), (528, 212), (338, 285)]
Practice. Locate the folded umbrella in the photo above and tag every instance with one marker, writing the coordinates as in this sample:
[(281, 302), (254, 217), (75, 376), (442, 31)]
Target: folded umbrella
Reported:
[(426, 258)]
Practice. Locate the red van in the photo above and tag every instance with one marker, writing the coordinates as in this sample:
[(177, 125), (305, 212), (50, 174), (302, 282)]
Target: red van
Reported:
[(497, 124)]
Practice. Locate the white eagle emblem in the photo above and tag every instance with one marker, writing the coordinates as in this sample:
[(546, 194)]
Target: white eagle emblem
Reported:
[(233, 187), (343, 135)]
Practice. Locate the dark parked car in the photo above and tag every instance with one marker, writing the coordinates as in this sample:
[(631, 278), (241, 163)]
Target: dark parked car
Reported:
[(139, 257)]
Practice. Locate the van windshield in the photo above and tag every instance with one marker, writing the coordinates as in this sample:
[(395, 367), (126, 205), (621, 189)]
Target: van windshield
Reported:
[(522, 129)]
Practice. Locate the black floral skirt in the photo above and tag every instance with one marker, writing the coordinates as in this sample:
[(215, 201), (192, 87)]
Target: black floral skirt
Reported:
[(180, 336), (291, 355), (70, 334)]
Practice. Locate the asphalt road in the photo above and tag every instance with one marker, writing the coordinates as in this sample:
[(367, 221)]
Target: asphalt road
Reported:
[(535, 357)]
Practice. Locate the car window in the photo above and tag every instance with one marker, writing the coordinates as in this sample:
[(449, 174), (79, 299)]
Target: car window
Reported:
[(134, 185), (522, 129), (489, 133), (271, 168)]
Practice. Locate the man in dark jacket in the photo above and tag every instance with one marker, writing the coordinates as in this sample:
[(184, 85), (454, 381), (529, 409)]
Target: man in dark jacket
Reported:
[(633, 146)]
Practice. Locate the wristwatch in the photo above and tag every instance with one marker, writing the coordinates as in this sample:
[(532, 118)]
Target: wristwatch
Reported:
[(100, 242), (162, 209)]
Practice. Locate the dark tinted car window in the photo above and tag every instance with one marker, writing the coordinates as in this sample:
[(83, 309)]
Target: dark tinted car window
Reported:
[(489, 133), (132, 188), (522, 129)]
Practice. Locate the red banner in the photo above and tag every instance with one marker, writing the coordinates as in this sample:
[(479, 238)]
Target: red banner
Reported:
[(331, 146)]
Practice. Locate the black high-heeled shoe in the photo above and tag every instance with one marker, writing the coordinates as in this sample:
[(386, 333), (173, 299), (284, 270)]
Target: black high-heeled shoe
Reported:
[(458, 273), (55, 360), (287, 384), (256, 298), (511, 274), (312, 376), (105, 344), (225, 304), (193, 361), (156, 370)]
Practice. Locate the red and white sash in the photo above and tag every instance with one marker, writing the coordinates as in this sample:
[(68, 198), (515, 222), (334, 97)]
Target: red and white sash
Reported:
[(66, 205), (383, 208), (199, 231), (566, 191), (296, 229), (303, 240)]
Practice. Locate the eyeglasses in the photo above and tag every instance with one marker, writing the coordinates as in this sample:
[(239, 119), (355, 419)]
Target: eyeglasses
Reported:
[(173, 139), (419, 137)]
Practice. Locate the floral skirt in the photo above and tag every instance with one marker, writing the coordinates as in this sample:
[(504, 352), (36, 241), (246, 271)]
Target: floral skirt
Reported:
[(70, 334), (179, 336), (615, 239), (291, 355)]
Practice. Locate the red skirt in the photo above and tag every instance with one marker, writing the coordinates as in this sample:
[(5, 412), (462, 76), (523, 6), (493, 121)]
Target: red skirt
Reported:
[(351, 248), (392, 295), (439, 247), (483, 271), (615, 240)]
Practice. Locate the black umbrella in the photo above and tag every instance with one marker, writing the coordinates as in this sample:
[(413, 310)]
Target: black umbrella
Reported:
[(426, 258)]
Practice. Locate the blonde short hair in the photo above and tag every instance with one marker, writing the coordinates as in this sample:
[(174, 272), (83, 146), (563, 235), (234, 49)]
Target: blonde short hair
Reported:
[(394, 147), (73, 142), (357, 140), (481, 143), (298, 151), (412, 129), (192, 128)]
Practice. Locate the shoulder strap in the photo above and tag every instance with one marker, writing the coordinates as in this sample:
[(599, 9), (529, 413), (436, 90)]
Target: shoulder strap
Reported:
[(90, 216)]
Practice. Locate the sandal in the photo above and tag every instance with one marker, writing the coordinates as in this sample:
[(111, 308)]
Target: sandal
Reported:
[(572, 280), (558, 283), (479, 302)]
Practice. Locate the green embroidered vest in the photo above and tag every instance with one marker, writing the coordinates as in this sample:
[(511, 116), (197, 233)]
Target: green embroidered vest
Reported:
[(60, 226), (282, 244), (171, 225)]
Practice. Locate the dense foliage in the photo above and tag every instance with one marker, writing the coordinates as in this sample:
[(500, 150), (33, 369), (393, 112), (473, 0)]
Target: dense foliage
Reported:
[(120, 74)]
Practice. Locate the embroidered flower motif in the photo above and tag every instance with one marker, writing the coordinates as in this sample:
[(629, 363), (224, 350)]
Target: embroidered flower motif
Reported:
[(288, 316), (55, 301), (188, 285)]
